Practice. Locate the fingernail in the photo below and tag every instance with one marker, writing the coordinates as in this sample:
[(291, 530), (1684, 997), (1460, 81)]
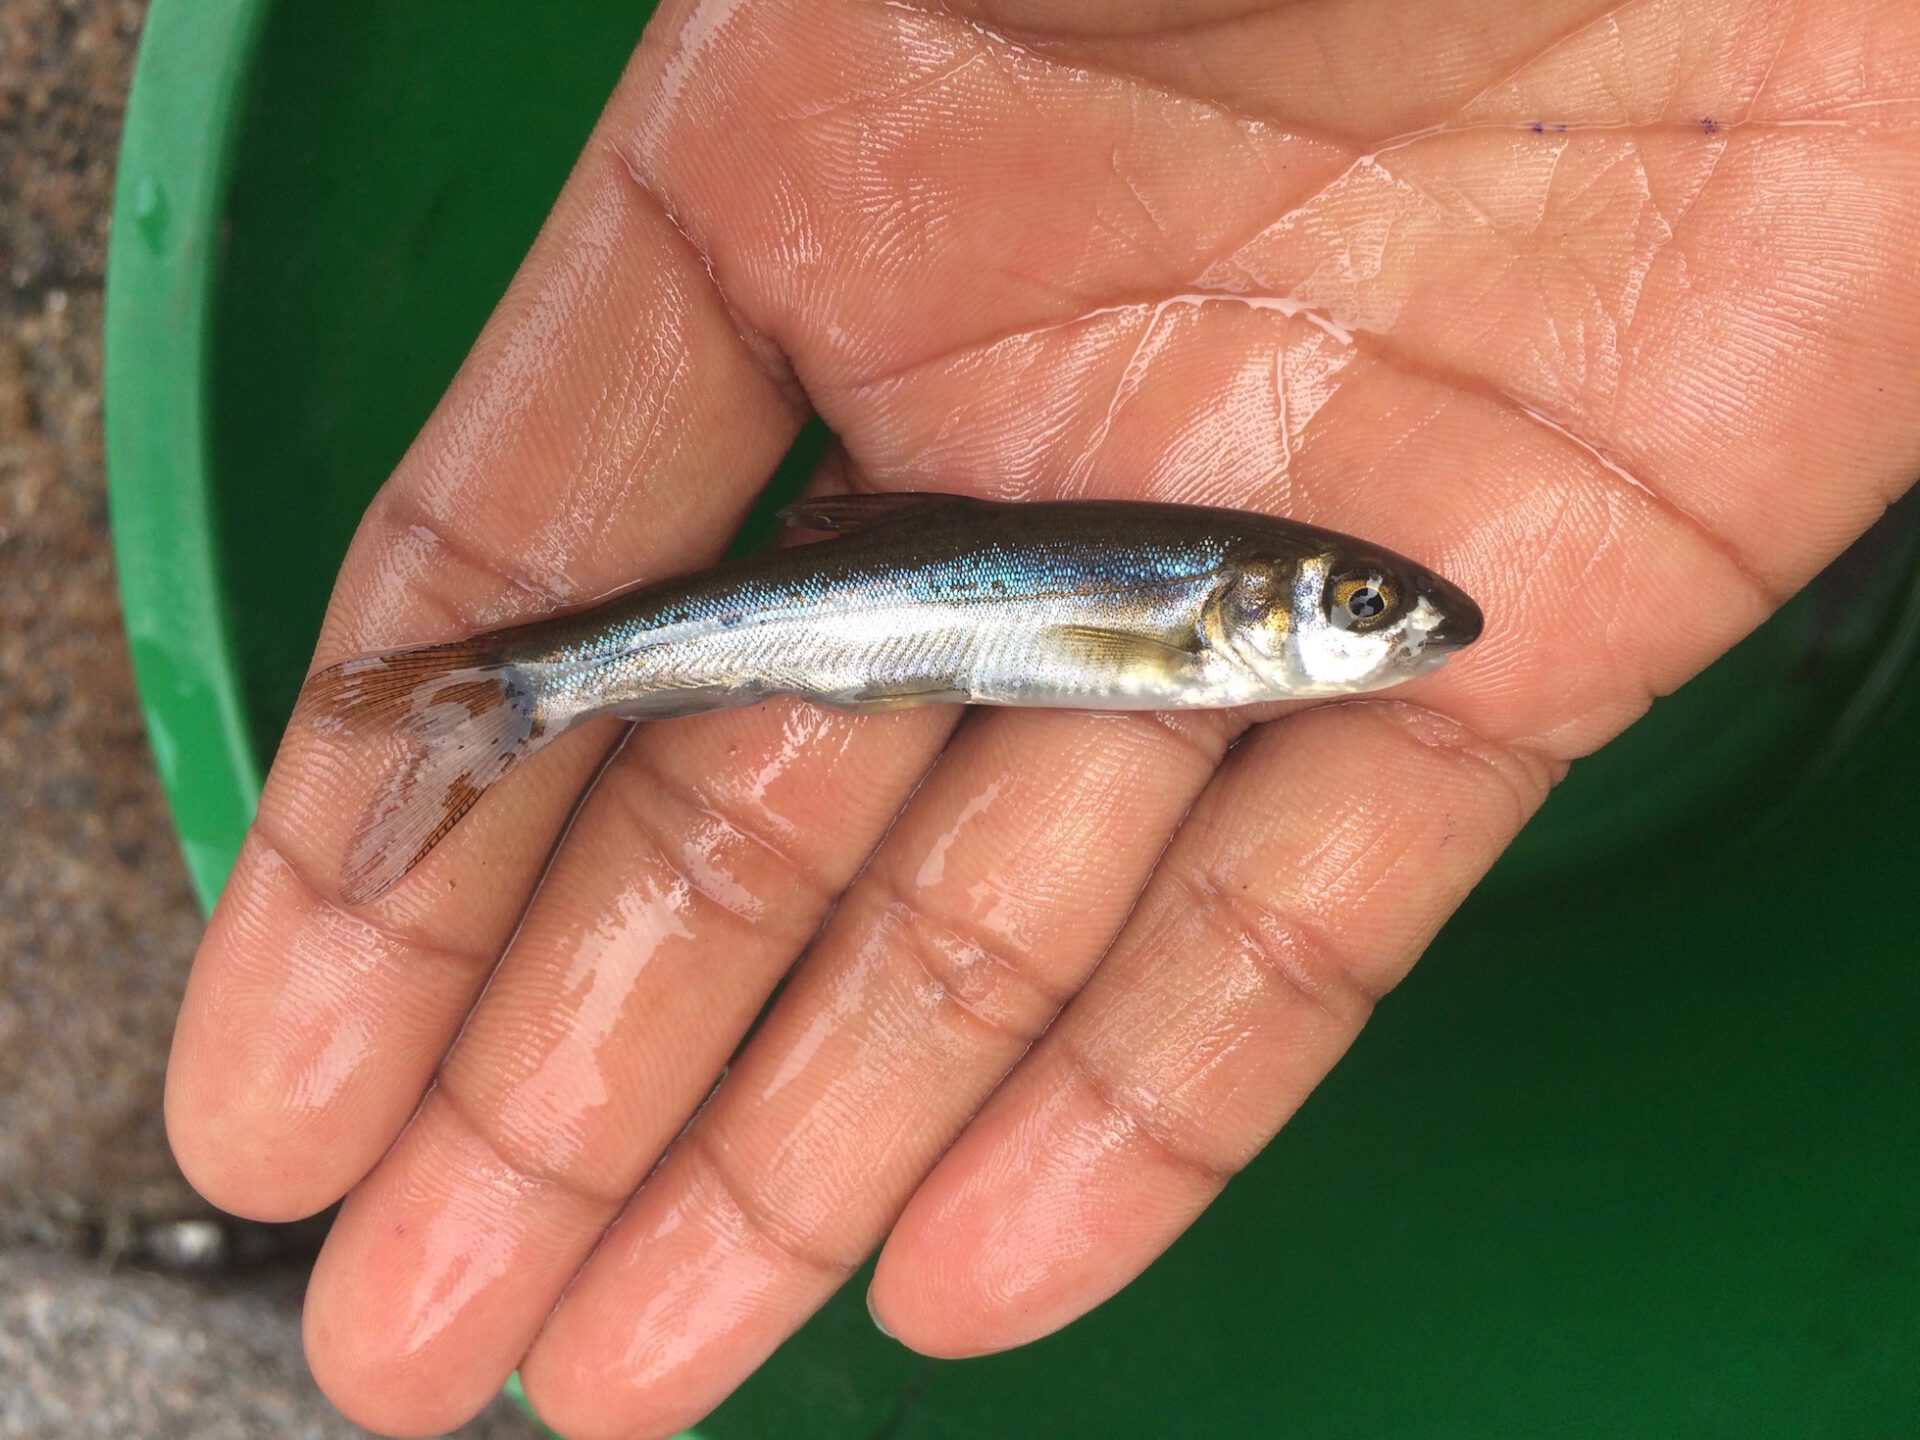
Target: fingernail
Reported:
[(874, 1315)]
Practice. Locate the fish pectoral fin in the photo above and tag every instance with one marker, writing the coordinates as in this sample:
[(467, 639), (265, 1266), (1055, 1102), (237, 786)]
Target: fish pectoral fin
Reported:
[(851, 514), (1122, 650)]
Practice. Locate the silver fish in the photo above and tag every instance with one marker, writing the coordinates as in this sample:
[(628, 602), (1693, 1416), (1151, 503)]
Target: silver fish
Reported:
[(922, 598)]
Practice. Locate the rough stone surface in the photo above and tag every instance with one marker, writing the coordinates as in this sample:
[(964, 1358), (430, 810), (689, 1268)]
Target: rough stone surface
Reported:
[(97, 924), (88, 1351)]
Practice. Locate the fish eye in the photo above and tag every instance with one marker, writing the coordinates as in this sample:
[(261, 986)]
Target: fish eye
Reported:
[(1359, 602)]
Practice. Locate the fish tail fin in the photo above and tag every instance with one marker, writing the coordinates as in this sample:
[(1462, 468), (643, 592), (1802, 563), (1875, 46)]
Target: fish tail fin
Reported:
[(460, 716)]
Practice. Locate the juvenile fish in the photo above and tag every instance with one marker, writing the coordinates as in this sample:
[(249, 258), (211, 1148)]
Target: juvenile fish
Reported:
[(921, 599)]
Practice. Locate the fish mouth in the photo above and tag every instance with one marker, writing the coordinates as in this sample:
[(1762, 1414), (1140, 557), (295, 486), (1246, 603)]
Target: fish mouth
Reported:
[(1460, 620)]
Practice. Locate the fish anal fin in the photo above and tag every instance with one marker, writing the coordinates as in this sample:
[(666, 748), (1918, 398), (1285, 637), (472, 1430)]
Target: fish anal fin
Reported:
[(852, 514)]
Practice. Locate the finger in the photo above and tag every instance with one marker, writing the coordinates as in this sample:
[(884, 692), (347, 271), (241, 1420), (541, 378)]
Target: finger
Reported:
[(555, 469), (1320, 862), (696, 869), (993, 895), (699, 864)]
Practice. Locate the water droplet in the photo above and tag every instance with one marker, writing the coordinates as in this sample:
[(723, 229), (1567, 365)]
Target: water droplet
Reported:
[(150, 212)]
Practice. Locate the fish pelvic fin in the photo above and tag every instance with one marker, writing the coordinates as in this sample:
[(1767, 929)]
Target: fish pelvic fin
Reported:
[(852, 514), (454, 719)]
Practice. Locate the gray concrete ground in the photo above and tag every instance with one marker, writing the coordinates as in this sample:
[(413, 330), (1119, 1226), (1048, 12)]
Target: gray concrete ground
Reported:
[(122, 1311), (91, 1351)]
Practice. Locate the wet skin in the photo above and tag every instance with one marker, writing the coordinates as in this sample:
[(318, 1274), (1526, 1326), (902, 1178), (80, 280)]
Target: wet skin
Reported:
[(1606, 311)]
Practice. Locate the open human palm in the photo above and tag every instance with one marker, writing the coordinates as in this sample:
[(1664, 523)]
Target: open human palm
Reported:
[(1606, 310)]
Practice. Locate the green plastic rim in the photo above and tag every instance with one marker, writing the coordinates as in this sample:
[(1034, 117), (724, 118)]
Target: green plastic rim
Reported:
[(162, 269)]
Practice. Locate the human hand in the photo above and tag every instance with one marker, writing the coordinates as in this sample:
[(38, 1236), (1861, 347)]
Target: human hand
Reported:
[(1629, 381)]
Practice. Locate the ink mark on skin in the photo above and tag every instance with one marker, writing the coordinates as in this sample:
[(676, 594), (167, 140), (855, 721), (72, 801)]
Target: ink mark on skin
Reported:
[(1709, 125)]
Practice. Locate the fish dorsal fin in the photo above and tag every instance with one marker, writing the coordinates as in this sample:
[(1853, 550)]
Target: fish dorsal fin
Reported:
[(851, 514)]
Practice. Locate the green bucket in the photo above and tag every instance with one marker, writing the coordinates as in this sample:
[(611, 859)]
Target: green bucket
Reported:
[(1634, 1153)]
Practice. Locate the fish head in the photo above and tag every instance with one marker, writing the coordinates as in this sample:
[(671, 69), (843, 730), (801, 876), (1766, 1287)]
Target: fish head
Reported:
[(1342, 619)]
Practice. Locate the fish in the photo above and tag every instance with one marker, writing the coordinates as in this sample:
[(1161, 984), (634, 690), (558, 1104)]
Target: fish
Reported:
[(912, 598)]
